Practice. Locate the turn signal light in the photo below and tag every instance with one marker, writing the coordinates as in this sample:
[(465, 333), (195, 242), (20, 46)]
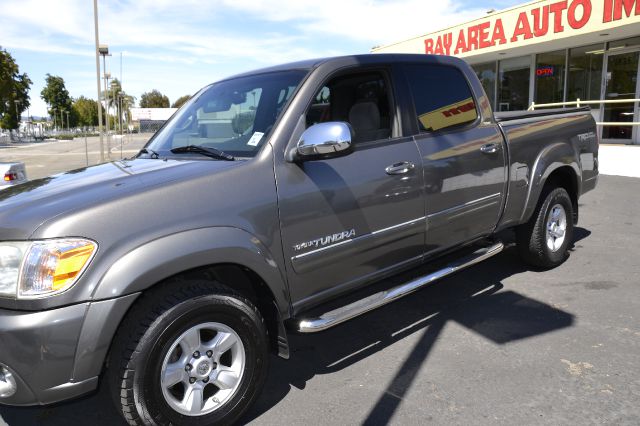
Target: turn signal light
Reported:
[(53, 266), (69, 264)]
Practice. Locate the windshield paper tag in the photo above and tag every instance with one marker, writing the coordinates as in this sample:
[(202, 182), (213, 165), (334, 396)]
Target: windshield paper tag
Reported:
[(255, 139)]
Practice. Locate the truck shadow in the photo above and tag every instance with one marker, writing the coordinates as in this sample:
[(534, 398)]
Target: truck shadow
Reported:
[(474, 298)]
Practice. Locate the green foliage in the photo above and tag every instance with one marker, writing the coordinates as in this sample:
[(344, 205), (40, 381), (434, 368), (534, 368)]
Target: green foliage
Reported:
[(65, 137), (180, 101), (114, 89), (13, 87), (71, 136), (86, 111), (127, 102), (56, 95), (122, 109), (154, 99)]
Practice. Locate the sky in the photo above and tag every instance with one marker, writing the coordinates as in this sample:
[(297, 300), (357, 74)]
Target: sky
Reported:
[(177, 47)]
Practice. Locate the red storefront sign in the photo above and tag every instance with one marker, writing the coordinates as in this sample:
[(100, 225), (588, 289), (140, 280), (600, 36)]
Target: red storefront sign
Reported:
[(540, 21)]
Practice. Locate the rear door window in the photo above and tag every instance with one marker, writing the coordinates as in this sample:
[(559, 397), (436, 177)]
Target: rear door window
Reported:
[(441, 96)]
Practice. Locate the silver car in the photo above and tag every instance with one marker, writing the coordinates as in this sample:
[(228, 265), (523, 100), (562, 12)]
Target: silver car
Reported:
[(12, 174)]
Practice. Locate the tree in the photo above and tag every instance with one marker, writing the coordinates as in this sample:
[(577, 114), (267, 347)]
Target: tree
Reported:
[(86, 111), (128, 101), (114, 92), (180, 101), (56, 95), (154, 99), (14, 91)]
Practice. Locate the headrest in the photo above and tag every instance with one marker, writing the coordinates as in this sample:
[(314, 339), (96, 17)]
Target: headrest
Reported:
[(364, 116)]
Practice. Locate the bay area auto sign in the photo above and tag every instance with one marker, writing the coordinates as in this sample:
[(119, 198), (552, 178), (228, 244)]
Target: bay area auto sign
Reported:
[(523, 25)]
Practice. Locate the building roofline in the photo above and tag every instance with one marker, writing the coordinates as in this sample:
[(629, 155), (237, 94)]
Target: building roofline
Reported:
[(491, 15)]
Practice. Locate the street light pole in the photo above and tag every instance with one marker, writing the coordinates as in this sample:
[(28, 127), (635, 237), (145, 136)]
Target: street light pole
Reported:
[(16, 102), (120, 110), (62, 119), (107, 77), (95, 19), (68, 127)]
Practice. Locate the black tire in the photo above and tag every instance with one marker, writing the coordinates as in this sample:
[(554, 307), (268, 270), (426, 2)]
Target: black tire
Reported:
[(145, 336), (531, 238)]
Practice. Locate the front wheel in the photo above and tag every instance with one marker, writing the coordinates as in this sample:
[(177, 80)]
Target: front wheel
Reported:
[(544, 241), (190, 353)]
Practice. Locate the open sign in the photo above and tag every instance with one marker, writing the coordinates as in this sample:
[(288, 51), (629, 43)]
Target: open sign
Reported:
[(545, 71)]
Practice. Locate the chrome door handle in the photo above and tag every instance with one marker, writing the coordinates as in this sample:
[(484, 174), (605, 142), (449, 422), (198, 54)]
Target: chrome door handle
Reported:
[(490, 148), (400, 168)]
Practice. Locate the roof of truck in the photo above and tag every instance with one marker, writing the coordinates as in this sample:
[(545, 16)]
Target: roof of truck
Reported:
[(364, 59)]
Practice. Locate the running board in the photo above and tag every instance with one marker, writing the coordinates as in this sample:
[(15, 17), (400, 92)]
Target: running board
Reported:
[(359, 307)]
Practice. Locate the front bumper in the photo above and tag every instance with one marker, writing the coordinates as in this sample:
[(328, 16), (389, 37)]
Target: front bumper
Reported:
[(38, 348), (57, 354)]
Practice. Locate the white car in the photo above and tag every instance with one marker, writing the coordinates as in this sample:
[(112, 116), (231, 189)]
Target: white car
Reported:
[(12, 174)]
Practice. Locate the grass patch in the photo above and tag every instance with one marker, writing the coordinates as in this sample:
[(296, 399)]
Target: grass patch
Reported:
[(71, 136)]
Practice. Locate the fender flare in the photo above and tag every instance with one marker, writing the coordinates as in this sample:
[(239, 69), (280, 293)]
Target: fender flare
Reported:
[(157, 260), (550, 159)]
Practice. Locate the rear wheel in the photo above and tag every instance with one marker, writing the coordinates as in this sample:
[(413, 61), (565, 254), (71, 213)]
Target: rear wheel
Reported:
[(190, 353), (544, 241)]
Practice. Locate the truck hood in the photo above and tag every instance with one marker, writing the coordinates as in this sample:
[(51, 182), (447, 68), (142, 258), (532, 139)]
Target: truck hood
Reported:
[(24, 207)]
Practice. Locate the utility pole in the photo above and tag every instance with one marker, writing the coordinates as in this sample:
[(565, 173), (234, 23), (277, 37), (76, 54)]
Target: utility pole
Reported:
[(62, 119), (120, 97), (107, 77), (68, 127), (120, 109), (95, 18), (16, 102)]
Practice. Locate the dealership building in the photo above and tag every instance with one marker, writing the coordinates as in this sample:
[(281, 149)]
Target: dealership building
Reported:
[(552, 53)]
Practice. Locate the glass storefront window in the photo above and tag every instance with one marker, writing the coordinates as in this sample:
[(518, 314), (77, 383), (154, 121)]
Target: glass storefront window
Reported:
[(627, 42), (487, 75), (622, 71), (585, 73), (550, 69), (513, 90)]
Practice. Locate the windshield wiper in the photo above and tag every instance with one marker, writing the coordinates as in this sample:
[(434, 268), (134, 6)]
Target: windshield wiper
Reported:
[(209, 152), (151, 152)]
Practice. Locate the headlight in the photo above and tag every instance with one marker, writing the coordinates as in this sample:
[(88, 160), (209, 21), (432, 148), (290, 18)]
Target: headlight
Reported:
[(11, 255), (35, 269)]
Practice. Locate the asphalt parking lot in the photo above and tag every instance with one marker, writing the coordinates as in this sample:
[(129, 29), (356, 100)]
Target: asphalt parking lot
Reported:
[(50, 157), (495, 344)]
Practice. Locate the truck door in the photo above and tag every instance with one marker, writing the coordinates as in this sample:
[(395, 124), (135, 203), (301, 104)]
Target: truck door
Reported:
[(348, 220), (463, 156)]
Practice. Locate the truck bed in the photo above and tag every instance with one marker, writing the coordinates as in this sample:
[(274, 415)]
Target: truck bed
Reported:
[(517, 115), (537, 138)]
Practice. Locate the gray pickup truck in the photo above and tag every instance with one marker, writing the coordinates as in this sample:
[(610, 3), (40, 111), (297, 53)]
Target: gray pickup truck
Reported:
[(281, 199)]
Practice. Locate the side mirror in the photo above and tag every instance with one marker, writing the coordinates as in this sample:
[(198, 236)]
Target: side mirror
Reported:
[(323, 140)]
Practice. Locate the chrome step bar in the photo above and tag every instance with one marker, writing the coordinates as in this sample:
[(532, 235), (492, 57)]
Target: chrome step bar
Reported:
[(359, 307)]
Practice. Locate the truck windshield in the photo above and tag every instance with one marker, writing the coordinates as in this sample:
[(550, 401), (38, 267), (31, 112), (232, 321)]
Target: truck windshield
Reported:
[(233, 116)]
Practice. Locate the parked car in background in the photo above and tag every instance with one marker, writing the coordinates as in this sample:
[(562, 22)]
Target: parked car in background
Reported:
[(12, 174)]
